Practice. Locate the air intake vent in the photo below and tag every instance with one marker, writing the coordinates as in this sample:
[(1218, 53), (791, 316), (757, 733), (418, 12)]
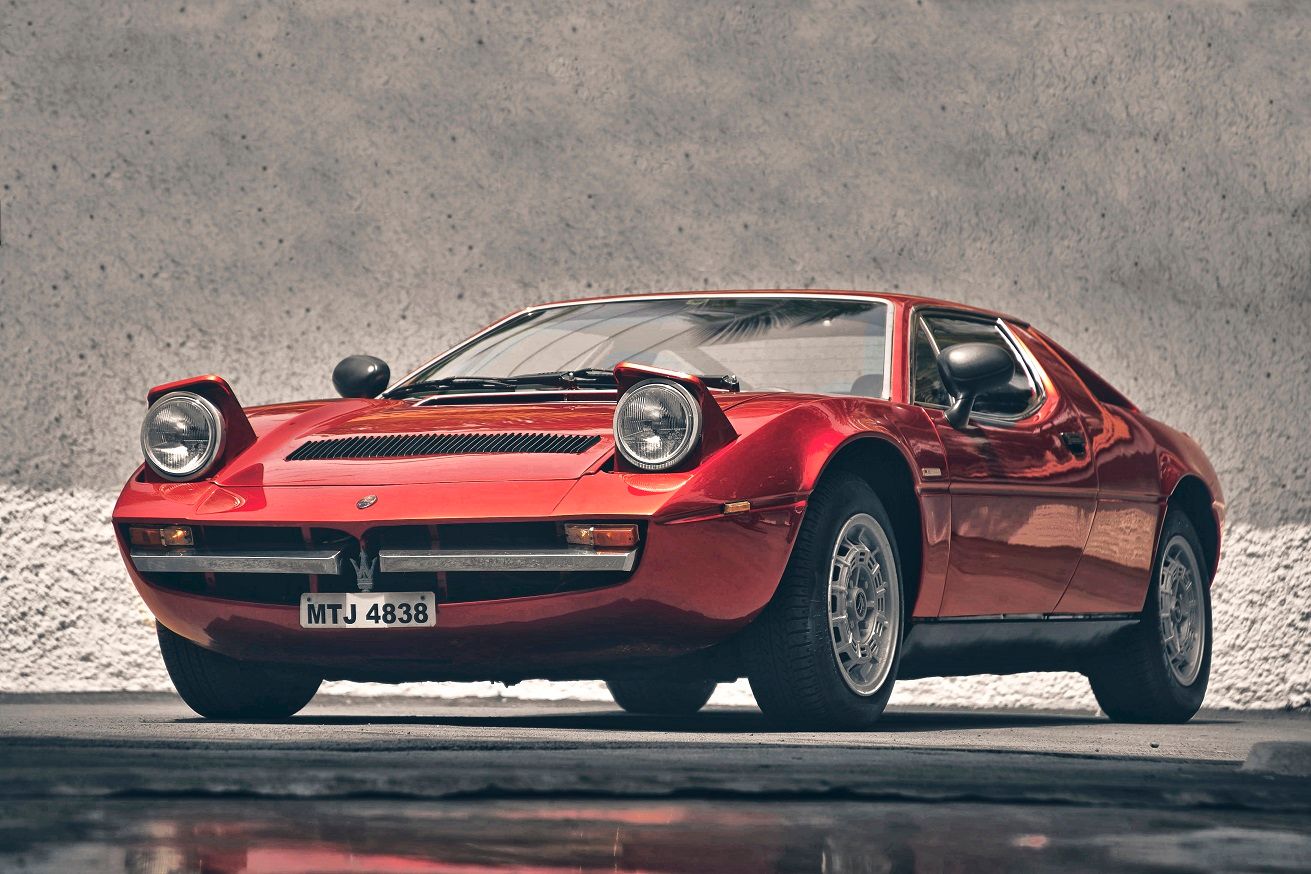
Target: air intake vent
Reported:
[(414, 445)]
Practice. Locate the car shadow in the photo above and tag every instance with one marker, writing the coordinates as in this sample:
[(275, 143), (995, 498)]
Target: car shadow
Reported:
[(710, 721)]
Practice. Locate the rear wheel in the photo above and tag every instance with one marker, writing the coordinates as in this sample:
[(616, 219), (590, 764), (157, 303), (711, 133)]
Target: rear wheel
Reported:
[(661, 697), (825, 652), (218, 687), (1159, 673)]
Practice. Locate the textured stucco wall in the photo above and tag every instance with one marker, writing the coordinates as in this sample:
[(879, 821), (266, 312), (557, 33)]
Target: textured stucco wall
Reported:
[(257, 189)]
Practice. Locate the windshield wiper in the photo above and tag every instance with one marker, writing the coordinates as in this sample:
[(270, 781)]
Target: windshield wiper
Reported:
[(586, 377), (595, 376), (435, 385), (727, 381), (566, 378)]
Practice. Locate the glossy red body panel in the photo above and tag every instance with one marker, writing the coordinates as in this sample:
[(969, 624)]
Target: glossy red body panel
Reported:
[(1012, 521), (1022, 505), (265, 464), (661, 611), (1113, 572)]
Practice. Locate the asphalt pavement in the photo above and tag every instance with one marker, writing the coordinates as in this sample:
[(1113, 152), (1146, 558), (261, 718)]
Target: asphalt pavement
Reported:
[(139, 784)]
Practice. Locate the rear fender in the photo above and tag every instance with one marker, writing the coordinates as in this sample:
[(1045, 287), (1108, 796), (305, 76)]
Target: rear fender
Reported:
[(1183, 469)]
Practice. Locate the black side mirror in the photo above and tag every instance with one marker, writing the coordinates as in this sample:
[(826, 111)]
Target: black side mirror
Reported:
[(970, 369), (361, 376)]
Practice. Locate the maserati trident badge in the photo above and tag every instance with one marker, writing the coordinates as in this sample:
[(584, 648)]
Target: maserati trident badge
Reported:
[(366, 502), (364, 569)]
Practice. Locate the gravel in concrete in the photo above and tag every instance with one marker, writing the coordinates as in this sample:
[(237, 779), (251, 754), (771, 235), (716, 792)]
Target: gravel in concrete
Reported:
[(106, 746), (1219, 735)]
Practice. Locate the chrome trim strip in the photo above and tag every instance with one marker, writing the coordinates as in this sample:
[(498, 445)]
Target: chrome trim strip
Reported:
[(253, 561), (575, 559), (1027, 617)]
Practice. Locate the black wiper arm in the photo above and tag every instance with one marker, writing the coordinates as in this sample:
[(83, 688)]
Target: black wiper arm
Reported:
[(403, 391), (566, 378), (587, 376), (727, 381), (597, 376)]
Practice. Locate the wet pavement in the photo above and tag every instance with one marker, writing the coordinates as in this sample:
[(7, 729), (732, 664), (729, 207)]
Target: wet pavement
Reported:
[(136, 784), (155, 837)]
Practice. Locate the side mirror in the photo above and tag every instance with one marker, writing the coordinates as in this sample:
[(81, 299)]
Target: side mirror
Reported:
[(361, 376), (970, 369)]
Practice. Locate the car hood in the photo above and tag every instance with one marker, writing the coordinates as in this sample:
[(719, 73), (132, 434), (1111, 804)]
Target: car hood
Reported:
[(284, 428)]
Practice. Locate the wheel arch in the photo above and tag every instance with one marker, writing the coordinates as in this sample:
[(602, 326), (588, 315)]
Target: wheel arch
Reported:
[(883, 465), (1194, 500)]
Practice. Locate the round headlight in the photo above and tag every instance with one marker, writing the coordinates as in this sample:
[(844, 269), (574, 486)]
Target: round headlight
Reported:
[(657, 424), (181, 436)]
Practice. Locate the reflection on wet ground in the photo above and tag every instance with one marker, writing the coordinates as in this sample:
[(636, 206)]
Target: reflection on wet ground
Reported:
[(153, 836), (124, 784)]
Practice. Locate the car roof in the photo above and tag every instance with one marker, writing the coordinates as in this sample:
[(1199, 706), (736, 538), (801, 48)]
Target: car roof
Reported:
[(900, 299)]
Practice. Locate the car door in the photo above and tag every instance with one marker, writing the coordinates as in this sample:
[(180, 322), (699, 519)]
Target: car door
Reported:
[(1020, 474)]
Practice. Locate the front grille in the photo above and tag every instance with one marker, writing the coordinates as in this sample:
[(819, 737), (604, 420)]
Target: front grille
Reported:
[(451, 588), (414, 445)]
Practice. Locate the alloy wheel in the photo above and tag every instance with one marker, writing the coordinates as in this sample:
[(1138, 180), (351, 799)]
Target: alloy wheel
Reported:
[(864, 604), (1181, 611)]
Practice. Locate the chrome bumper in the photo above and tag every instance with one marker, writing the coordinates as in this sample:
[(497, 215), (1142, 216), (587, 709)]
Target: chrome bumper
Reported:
[(581, 559), (253, 561), (329, 562)]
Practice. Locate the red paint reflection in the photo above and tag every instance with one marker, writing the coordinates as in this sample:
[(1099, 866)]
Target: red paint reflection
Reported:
[(634, 837)]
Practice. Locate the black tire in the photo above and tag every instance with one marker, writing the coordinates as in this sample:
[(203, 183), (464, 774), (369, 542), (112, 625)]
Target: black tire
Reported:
[(661, 697), (218, 687), (1133, 681), (790, 655)]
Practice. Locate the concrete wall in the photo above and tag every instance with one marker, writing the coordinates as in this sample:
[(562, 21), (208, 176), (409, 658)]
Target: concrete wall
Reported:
[(258, 189)]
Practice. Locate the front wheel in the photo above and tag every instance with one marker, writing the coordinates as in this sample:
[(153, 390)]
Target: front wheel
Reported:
[(218, 687), (1160, 671), (661, 697), (825, 652)]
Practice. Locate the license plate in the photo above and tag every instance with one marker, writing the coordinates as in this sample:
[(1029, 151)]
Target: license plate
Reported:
[(368, 610)]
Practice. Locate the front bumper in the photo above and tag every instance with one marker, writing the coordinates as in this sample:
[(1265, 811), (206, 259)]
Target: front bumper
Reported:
[(700, 577), (328, 562)]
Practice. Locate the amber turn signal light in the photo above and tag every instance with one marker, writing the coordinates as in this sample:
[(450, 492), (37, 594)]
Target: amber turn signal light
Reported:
[(602, 536), (169, 535)]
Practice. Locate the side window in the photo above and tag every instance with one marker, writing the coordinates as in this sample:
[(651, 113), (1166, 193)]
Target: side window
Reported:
[(928, 382), (947, 331)]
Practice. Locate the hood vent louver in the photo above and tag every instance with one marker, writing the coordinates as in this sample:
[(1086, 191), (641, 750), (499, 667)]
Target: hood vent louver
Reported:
[(416, 445)]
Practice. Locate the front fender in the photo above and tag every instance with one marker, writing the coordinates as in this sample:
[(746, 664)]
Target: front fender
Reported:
[(783, 447), (784, 450)]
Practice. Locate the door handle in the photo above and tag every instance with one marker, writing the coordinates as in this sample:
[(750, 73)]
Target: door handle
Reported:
[(1075, 442)]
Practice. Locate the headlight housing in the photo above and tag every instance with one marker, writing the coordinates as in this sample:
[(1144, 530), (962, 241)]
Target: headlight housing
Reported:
[(182, 436), (657, 423)]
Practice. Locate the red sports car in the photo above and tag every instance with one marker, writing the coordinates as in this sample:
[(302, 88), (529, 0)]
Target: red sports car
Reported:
[(819, 491)]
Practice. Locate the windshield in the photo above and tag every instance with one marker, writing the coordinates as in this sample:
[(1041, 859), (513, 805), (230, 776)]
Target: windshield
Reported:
[(769, 343)]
